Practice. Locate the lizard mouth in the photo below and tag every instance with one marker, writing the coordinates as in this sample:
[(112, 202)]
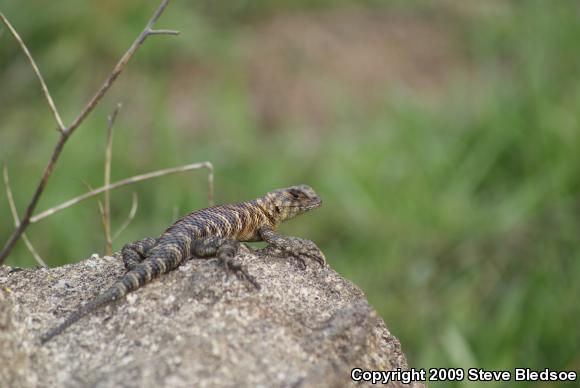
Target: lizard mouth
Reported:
[(314, 204)]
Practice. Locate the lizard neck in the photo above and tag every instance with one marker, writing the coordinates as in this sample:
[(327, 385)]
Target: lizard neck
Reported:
[(267, 209)]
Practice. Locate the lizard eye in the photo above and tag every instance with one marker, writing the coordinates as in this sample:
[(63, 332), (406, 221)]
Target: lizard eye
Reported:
[(277, 209), (295, 194)]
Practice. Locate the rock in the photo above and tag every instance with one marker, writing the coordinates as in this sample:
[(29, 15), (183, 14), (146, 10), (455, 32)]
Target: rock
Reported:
[(192, 327)]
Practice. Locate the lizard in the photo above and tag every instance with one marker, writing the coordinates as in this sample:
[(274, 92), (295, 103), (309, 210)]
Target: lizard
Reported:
[(213, 231)]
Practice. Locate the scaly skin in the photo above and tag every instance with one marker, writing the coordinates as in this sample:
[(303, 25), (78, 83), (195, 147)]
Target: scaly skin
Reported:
[(214, 231)]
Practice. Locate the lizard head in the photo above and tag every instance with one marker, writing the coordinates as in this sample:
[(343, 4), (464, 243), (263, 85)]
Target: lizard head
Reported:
[(285, 204)]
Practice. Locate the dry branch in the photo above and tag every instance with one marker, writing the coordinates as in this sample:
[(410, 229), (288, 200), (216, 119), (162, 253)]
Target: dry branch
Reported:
[(128, 181), (12, 204), (130, 217), (57, 117), (68, 131), (101, 210), (121, 65), (163, 32), (106, 208)]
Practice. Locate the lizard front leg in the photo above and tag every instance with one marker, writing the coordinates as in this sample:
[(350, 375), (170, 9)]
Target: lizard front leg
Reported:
[(294, 246), (135, 252)]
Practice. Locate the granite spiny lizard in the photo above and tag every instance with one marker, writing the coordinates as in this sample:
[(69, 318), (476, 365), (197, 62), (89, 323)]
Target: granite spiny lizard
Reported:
[(214, 231)]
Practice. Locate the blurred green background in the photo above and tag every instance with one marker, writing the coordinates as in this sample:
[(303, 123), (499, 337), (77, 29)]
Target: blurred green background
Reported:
[(442, 136)]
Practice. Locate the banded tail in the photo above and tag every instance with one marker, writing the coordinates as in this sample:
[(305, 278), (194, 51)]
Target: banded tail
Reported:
[(132, 280)]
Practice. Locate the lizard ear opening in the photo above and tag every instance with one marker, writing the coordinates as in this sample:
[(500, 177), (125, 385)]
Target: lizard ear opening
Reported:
[(277, 209)]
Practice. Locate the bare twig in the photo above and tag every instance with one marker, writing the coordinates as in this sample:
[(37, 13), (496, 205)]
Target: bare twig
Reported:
[(16, 219), (99, 204), (128, 181), (163, 32), (118, 68), (210, 184), (67, 132), (130, 217), (57, 117), (106, 208)]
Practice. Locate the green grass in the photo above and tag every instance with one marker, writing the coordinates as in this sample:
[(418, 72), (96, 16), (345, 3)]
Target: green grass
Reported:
[(459, 218)]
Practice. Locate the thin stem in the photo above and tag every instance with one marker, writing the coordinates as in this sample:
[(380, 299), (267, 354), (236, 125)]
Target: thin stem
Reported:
[(99, 204), (163, 32), (51, 104), (12, 204), (106, 208), (118, 68), (210, 184), (130, 217), (121, 183)]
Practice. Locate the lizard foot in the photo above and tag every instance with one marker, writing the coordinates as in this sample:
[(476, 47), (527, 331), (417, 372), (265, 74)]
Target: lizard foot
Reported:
[(302, 248), (226, 254), (299, 249), (225, 251), (278, 253), (231, 266)]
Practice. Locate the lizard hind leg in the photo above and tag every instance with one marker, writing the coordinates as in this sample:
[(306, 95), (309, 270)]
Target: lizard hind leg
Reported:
[(226, 256), (135, 252), (225, 250)]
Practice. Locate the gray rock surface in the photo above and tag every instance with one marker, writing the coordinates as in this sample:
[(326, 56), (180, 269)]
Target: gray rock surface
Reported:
[(192, 328)]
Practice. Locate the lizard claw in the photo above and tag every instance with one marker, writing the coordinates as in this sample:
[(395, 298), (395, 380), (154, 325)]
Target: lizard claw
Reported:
[(303, 248), (300, 249)]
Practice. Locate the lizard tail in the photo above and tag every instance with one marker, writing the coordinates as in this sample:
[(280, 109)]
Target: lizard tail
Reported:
[(160, 262), (111, 294), (141, 274)]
